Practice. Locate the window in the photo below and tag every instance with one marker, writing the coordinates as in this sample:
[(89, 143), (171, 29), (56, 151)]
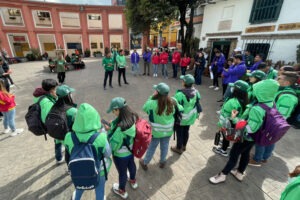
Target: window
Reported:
[(42, 18), (258, 48), (94, 21), (115, 21), (12, 17), (121, 2), (43, 15), (265, 11), (69, 20), (94, 17), (94, 45)]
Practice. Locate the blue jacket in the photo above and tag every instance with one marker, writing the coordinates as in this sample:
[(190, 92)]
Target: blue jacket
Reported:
[(255, 65), (236, 72), (226, 77), (134, 58), (147, 56), (220, 63)]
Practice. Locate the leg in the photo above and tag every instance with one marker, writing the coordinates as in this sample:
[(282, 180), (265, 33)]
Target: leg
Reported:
[(105, 78), (166, 70), (148, 66), (100, 189), (151, 150), (225, 143), (259, 152), (244, 160), (224, 86), (173, 65), (185, 135), (268, 151), (164, 147), (110, 73), (63, 77), (121, 165), (58, 154), (179, 135), (124, 76), (162, 70), (10, 79), (5, 120), (119, 76), (78, 194), (233, 158), (145, 63), (11, 119), (132, 168), (200, 76)]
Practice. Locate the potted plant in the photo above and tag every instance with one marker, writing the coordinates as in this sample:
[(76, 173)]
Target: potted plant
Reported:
[(97, 54), (87, 53)]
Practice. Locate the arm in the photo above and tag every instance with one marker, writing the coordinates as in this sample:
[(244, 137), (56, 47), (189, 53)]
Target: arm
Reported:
[(286, 104), (147, 105), (255, 119)]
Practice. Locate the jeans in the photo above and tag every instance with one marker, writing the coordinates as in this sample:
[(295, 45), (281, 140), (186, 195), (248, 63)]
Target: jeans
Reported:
[(164, 70), (122, 71), (175, 67), (58, 153), (164, 147), (99, 190), (183, 70), (146, 67), (238, 149), (215, 80), (198, 75), (263, 152), (107, 74), (61, 77), (155, 68), (182, 134), (122, 164), (9, 119), (136, 68)]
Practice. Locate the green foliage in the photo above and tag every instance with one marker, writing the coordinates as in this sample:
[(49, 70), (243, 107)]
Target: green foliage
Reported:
[(87, 52)]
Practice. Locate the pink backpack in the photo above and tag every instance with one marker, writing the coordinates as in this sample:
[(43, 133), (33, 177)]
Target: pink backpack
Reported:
[(142, 138)]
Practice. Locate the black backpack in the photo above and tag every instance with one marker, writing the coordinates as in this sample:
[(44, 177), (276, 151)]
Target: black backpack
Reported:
[(57, 122), (33, 119)]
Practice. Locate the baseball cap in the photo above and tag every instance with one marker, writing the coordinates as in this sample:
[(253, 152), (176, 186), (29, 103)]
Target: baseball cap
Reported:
[(162, 88), (238, 49), (117, 102), (188, 79), (257, 74), (242, 85), (64, 90)]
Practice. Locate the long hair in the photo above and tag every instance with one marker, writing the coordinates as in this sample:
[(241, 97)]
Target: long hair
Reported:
[(242, 97), (164, 101), (65, 100), (3, 88), (127, 118)]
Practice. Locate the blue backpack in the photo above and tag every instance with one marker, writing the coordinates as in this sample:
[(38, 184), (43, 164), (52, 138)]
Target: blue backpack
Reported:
[(84, 165)]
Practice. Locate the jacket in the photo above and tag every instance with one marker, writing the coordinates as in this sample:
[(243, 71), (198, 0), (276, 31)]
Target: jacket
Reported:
[(228, 106), (121, 61), (155, 59), (291, 192), (184, 62), (236, 72), (286, 103), (220, 64), (108, 64), (272, 74), (134, 58), (176, 57), (163, 57), (147, 56), (7, 102), (225, 77), (255, 65), (60, 65), (249, 61), (46, 105), (87, 122)]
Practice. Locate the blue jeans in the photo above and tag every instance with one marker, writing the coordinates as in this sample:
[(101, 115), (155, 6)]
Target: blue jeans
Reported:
[(136, 68), (164, 147), (58, 146), (183, 70), (175, 67), (99, 190), (122, 164), (263, 152), (9, 119), (164, 70), (198, 75), (155, 68)]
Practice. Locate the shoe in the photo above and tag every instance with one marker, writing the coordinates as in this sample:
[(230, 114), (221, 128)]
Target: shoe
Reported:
[(120, 85), (144, 74), (218, 112), (111, 86), (238, 175), (104, 88), (221, 100), (217, 88), (254, 163), (174, 149), (212, 86), (153, 75), (162, 165), (122, 193), (73, 195), (62, 160), (219, 178), (133, 183), (16, 132), (148, 74), (143, 165), (220, 151), (264, 161), (127, 83), (12, 85), (63, 149), (6, 131), (183, 148)]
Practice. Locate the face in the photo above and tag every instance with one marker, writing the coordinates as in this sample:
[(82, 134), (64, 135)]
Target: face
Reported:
[(116, 112), (229, 62), (257, 58), (108, 55), (236, 61), (218, 54), (200, 54), (252, 79), (121, 53), (282, 82)]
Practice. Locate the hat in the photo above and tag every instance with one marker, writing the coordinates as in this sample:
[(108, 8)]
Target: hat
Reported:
[(238, 49), (162, 88), (63, 90), (188, 79), (242, 85), (257, 74), (117, 102)]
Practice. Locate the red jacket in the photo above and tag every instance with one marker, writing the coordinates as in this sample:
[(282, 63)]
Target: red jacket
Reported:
[(155, 59), (164, 58), (7, 102), (176, 57), (185, 61)]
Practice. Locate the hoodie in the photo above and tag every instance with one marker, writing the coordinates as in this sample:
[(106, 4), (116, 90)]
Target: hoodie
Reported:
[(87, 122), (286, 101), (292, 191)]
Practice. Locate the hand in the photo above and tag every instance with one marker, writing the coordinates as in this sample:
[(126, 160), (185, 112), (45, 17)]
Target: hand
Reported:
[(234, 113), (107, 128)]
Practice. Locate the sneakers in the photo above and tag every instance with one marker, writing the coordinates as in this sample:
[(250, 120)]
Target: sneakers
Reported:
[(133, 183), (218, 112), (220, 151), (217, 88), (62, 160), (12, 85), (174, 149), (73, 195), (6, 131), (184, 148), (238, 175), (143, 165), (162, 165), (16, 132), (254, 163), (219, 178), (212, 86), (122, 193)]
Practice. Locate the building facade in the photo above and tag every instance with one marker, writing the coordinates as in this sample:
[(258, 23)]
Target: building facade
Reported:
[(49, 26), (271, 27)]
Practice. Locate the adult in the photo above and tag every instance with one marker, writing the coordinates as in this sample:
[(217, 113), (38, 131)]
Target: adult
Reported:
[(122, 65), (175, 62), (200, 65), (257, 60), (155, 63), (6, 69), (3, 74), (147, 60), (163, 57), (108, 64), (249, 59), (184, 63), (114, 54), (61, 69), (121, 135), (270, 72), (254, 77), (135, 59), (217, 68), (225, 76)]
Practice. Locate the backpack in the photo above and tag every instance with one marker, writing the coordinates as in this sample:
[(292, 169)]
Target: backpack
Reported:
[(84, 166), (273, 128), (57, 122), (34, 121), (231, 132)]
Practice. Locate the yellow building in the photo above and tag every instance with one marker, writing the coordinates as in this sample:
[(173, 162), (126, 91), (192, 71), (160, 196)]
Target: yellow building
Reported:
[(168, 37)]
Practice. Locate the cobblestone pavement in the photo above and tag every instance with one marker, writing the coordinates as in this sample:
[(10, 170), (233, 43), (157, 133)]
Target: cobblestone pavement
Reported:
[(29, 171)]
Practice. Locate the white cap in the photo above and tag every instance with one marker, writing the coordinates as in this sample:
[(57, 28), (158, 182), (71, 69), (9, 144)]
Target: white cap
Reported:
[(238, 49)]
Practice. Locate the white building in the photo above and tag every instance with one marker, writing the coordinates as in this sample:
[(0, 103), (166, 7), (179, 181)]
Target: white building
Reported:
[(271, 27)]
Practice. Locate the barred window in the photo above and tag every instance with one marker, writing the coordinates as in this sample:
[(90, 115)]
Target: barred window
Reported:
[(258, 48)]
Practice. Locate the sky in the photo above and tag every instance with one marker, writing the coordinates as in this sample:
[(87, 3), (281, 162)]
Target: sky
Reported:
[(81, 2)]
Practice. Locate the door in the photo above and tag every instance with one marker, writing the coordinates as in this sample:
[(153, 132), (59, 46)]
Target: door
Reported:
[(223, 46)]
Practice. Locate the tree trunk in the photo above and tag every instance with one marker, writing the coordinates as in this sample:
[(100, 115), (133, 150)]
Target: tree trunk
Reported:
[(182, 10), (146, 36), (189, 32)]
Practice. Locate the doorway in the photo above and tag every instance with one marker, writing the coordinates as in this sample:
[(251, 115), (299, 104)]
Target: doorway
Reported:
[(223, 46)]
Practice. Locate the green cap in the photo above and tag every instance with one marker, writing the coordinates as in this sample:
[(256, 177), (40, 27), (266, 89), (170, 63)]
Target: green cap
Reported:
[(117, 102), (257, 74), (162, 88), (64, 90), (188, 79), (242, 85)]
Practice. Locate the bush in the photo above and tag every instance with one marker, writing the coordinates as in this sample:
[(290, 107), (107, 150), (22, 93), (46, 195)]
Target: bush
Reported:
[(30, 57), (87, 53), (97, 54)]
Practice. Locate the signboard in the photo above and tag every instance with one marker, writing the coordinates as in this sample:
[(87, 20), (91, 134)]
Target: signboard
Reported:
[(136, 41), (290, 26), (19, 38), (260, 29)]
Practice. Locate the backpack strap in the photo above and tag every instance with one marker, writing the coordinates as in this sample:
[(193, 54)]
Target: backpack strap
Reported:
[(38, 102), (285, 92)]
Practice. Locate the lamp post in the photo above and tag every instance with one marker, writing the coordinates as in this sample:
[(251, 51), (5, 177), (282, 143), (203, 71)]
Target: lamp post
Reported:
[(160, 37)]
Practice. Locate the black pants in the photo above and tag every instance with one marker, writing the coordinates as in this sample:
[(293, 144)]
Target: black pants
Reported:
[(108, 74), (215, 80), (238, 149), (122, 71), (61, 77), (146, 67), (10, 79), (225, 143), (182, 134), (224, 86)]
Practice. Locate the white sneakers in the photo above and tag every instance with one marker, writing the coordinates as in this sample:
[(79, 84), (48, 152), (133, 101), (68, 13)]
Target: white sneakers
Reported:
[(122, 193), (212, 86), (154, 75), (217, 88), (219, 178), (16, 132), (6, 131), (238, 175)]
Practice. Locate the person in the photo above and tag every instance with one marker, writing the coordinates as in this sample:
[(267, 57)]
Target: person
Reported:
[(45, 55), (217, 68), (200, 65), (189, 99), (291, 191), (114, 53), (184, 63), (52, 64), (155, 63), (147, 60), (225, 76), (265, 92), (254, 77), (270, 72), (108, 64), (8, 109), (249, 59), (3, 74), (257, 60), (163, 58), (236, 51), (285, 68), (77, 52), (121, 61), (121, 136), (60, 68), (237, 102), (86, 124), (135, 59), (286, 101), (7, 70), (175, 62), (160, 108)]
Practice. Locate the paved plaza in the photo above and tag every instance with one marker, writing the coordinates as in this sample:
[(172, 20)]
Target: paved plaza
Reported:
[(29, 171)]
